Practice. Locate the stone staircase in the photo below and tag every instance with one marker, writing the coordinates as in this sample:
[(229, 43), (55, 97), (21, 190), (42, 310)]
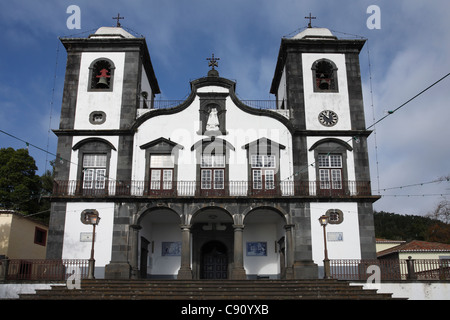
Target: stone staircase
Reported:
[(208, 290)]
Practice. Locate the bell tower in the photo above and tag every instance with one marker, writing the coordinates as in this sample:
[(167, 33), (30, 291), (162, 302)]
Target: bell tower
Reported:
[(317, 79), (109, 76)]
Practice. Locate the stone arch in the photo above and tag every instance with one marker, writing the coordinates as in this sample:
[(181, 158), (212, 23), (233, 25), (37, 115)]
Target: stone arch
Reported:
[(222, 214), (279, 211), (266, 229), (158, 239), (149, 209)]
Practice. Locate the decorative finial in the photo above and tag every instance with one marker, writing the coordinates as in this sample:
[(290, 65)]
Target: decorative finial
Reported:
[(213, 62), (310, 18), (117, 18)]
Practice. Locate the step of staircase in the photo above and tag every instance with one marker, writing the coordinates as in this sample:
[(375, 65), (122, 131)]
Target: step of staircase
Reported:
[(208, 290)]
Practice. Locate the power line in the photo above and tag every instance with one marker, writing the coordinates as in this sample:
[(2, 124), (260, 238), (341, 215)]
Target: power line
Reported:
[(405, 103), (419, 184), (378, 121)]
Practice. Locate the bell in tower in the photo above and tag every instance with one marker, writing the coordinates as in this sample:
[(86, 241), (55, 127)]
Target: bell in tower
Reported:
[(103, 79)]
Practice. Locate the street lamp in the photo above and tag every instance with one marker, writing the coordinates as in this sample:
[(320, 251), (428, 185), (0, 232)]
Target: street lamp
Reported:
[(323, 220), (91, 216)]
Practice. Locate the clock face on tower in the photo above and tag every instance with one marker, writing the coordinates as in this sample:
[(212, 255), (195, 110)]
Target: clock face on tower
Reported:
[(328, 118)]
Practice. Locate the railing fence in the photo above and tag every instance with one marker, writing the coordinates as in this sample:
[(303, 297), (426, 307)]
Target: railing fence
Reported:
[(390, 269), (42, 269)]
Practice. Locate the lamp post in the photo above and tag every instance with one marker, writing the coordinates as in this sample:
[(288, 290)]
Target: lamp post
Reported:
[(91, 216), (326, 262)]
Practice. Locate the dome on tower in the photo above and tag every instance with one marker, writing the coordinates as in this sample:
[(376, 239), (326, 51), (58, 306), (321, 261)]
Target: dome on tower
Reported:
[(315, 34), (111, 32)]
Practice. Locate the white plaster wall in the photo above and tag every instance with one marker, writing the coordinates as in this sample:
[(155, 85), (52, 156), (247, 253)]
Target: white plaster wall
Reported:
[(282, 93), (411, 290), (157, 233), (315, 102), (109, 101), (73, 248), (261, 265), (349, 248), (145, 84), (182, 128)]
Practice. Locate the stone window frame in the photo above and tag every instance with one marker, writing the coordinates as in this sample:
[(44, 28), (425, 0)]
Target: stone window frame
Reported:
[(91, 75), (94, 114), (339, 214), (331, 146), (93, 146), (333, 80)]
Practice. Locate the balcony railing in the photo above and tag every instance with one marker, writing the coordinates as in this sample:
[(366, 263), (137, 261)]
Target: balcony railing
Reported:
[(115, 188)]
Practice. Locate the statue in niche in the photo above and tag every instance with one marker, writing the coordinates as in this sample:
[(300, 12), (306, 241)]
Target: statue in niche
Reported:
[(213, 121)]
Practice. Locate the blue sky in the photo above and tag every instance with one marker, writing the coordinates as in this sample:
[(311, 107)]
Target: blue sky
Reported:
[(408, 53)]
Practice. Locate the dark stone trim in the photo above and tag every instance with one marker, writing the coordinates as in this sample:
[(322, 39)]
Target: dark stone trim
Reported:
[(218, 199), (327, 140), (216, 141), (93, 132), (266, 144), (90, 140), (57, 223), (366, 230), (78, 45), (216, 81), (70, 92), (159, 141), (311, 46)]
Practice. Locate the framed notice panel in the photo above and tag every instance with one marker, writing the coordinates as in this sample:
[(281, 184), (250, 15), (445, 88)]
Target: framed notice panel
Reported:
[(171, 249), (256, 249)]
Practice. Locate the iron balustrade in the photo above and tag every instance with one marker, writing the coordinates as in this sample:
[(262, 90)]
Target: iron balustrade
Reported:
[(341, 269), (43, 269), (167, 104), (111, 188), (390, 269)]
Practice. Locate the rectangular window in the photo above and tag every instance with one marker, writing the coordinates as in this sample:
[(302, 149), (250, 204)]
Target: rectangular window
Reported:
[(263, 161), (206, 179), (269, 179), (257, 179), (161, 172), (94, 168), (213, 161), (219, 178), (330, 171), (40, 236), (263, 174)]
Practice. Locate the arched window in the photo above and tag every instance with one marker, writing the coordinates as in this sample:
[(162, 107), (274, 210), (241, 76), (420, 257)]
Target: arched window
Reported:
[(324, 76), (101, 74)]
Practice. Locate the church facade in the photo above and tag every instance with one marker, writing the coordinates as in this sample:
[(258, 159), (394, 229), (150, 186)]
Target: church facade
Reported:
[(212, 187)]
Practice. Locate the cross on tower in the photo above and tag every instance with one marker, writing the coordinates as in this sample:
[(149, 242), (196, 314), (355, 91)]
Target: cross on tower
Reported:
[(213, 62), (117, 18), (310, 18)]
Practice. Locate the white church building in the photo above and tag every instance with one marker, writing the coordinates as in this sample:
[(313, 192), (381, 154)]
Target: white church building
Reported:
[(212, 187)]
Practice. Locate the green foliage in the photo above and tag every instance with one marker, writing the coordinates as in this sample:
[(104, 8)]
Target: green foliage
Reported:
[(20, 188), (409, 227)]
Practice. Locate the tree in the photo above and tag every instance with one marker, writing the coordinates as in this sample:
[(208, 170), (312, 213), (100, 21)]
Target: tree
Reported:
[(409, 227), (20, 187), (440, 231)]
